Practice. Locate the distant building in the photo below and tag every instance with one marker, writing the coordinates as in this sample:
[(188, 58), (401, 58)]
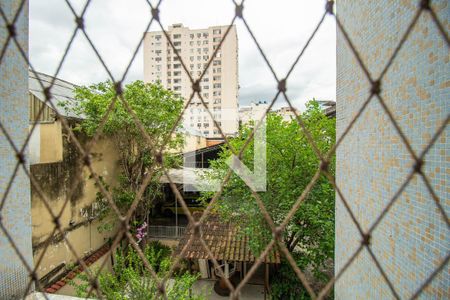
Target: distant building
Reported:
[(328, 107), (253, 112), (219, 86), (287, 113)]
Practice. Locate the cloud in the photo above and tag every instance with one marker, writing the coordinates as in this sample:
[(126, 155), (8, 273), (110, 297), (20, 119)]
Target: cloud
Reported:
[(115, 27)]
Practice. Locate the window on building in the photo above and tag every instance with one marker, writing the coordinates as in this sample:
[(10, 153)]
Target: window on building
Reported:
[(206, 95), (191, 58), (216, 78), (191, 43), (177, 80), (206, 132), (177, 88), (177, 73), (217, 85), (205, 79), (199, 43), (219, 54), (158, 52), (158, 44), (217, 31), (191, 66), (205, 35), (177, 36), (205, 50), (169, 81), (191, 36), (199, 66), (206, 87), (205, 42), (158, 67), (199, 57), (177, 66), (216, 39), (158, 59), (199, 51), (199, 35), (205, 57), (169, 73), (176, 44), (216, 63), (157, 37)]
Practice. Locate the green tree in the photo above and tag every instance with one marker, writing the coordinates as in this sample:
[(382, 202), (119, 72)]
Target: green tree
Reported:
[(156, 108), (130, 279), (291, 164)]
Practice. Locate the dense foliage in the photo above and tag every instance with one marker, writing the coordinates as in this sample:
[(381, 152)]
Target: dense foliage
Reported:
[(291, 163), (131, 280), (156, 108)]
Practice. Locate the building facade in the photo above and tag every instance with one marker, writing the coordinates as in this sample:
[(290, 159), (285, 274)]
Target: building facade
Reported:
[(253, 112), (219, 85), (15, 211), (372, 162)]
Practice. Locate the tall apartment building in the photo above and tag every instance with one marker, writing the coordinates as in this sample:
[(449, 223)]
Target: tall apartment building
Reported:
[(219, 86)]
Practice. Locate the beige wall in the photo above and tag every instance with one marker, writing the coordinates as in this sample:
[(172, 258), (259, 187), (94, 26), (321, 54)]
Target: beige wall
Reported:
[(46, 145), (56, 180), (193, 142), (51, 142)]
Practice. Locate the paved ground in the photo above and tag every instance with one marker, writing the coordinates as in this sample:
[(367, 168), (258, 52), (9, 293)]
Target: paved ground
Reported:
[(249, 292)]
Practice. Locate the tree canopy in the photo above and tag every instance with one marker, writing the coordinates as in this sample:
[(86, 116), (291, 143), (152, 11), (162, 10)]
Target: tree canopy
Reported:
[(291, 164), (157, 110)]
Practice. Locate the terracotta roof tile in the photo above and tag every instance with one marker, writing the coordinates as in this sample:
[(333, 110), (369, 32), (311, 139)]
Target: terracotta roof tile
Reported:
[(223, 239)]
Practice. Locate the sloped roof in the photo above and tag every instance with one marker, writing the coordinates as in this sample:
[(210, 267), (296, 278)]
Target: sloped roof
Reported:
[(62, 91), (223, 239)]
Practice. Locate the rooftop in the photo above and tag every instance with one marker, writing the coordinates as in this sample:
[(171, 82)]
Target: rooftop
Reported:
[(223, 239)]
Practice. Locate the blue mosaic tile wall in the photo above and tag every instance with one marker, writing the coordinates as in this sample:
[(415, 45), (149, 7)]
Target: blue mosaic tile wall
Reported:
[(14, 116), (372, 163)]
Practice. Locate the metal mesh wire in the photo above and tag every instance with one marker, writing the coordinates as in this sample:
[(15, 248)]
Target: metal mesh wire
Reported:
[(375, 85)]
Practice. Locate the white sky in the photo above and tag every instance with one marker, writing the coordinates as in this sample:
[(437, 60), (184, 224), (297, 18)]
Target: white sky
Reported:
[(115, 26)]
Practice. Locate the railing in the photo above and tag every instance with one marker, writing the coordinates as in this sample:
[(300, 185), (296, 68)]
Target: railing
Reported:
[(161, 231)]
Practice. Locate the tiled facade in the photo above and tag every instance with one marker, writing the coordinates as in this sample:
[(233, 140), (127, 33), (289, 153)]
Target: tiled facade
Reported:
[(15, 214), (372, 162)]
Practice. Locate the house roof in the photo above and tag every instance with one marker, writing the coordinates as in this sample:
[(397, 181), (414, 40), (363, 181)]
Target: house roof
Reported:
[(62, 92), (184, 176), (223, 239)]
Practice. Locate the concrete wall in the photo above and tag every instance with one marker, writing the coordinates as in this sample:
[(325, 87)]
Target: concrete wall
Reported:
[(372, 162), (14, 117), (193, 142), (56, 180), (46, 145)]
